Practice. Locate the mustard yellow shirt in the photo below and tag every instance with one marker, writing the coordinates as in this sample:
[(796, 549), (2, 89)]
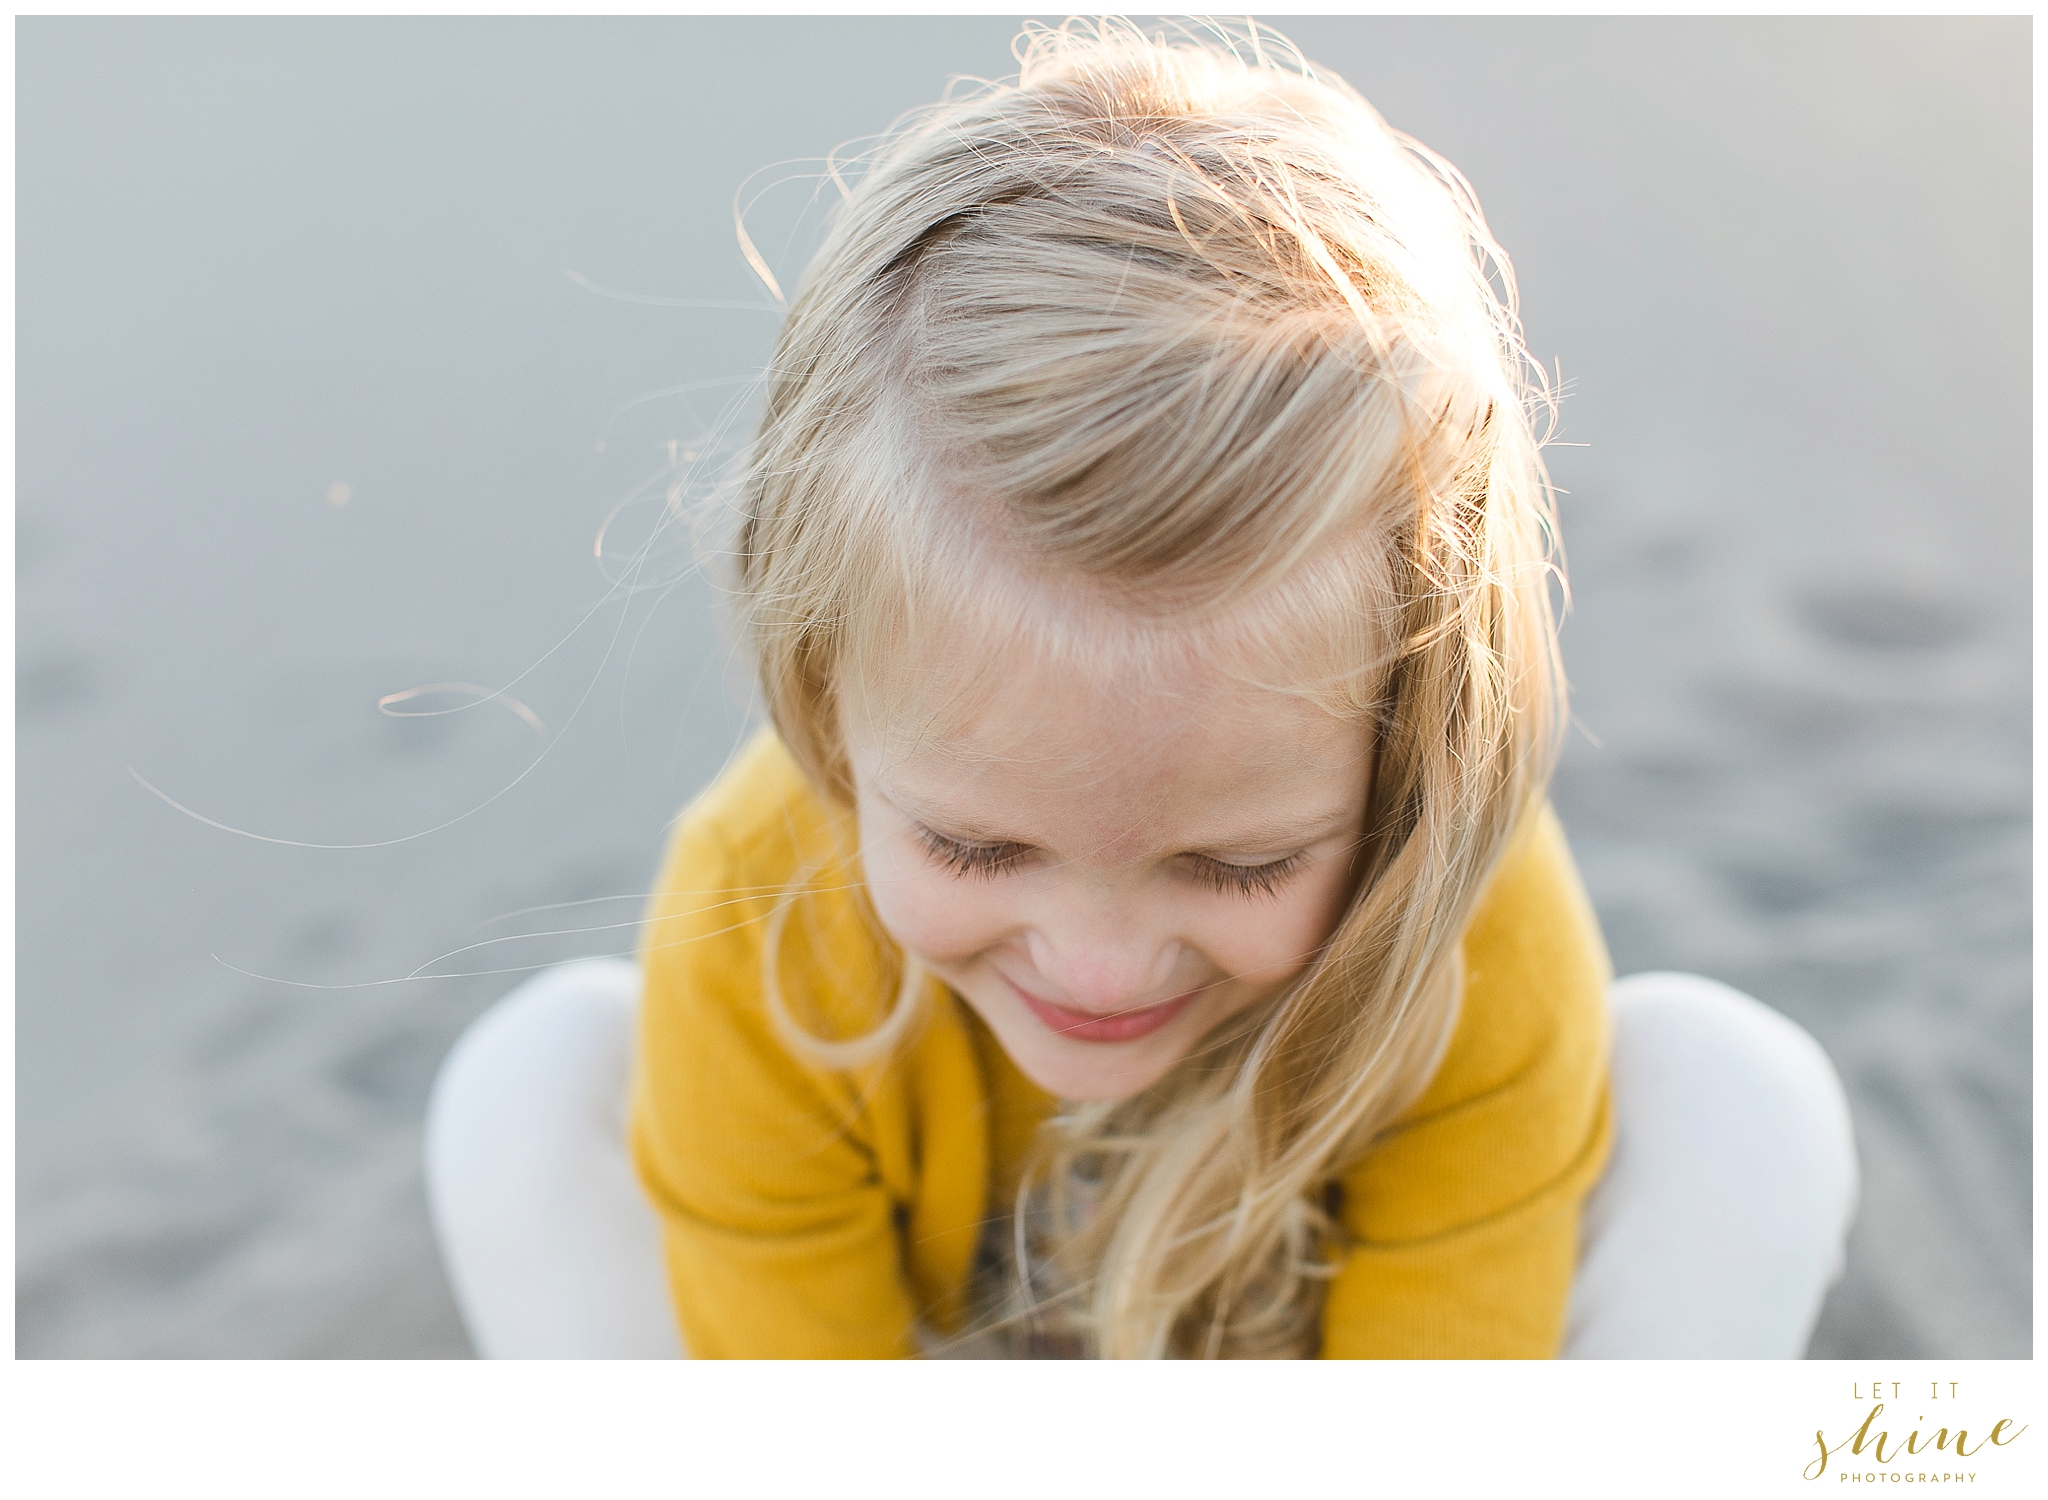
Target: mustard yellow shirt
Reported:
[(815, 1213)]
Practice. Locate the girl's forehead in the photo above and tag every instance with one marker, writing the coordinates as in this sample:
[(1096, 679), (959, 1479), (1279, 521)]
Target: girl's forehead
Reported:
[(1012, 714), (977, 663)]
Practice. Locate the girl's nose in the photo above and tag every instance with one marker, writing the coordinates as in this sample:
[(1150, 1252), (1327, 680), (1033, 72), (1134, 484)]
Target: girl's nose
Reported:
[(1100, 970)]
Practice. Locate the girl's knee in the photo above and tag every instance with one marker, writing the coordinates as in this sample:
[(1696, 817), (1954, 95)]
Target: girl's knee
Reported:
[(1740, 1080), (1722, 1216), (549, 1246), (548, 1061)]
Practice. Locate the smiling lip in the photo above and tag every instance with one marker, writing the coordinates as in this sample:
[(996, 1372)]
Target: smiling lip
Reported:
[(1121, 1026)]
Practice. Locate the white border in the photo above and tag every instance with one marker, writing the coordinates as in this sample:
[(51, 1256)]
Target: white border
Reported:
[(374, 1428), (1735, 1429)]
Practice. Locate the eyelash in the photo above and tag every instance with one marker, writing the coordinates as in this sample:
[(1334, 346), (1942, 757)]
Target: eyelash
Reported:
[(1247, 880), (986, 861), (983, 860)]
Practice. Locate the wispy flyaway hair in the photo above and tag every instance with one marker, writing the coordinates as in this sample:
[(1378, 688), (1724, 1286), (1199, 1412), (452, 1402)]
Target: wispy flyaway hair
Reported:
[(1174, 338)]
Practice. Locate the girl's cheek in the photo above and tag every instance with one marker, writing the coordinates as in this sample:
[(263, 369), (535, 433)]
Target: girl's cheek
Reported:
[(928, 911), (1257, 939)]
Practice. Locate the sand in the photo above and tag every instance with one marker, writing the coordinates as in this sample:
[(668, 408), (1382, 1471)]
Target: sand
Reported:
[(309, 414)]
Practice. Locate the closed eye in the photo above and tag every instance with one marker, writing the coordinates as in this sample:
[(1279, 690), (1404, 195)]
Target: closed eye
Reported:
[(984, 860), (1245, 880), (987, 861)]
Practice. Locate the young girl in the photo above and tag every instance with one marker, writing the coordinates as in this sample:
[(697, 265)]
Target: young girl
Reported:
[(1142, 932)]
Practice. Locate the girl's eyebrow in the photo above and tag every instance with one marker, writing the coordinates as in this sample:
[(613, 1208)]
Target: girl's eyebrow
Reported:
[(1282, 832), (1261, 835), (944, 820)]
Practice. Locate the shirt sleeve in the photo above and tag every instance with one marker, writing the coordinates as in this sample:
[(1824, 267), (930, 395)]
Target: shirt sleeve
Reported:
[(1463, 1219), (781, 1238)]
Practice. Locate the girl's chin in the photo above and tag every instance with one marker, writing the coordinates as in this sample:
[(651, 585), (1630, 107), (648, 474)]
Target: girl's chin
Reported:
[(1096, 1085)]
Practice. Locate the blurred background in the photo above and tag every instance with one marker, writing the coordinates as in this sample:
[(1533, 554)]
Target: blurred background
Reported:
[(339, 341)]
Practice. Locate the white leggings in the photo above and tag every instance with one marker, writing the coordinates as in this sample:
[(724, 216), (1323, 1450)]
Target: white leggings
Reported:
[(1714, 1233)]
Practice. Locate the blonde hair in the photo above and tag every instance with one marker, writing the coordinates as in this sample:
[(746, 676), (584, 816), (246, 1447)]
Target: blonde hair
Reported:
[(1177, 330)]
